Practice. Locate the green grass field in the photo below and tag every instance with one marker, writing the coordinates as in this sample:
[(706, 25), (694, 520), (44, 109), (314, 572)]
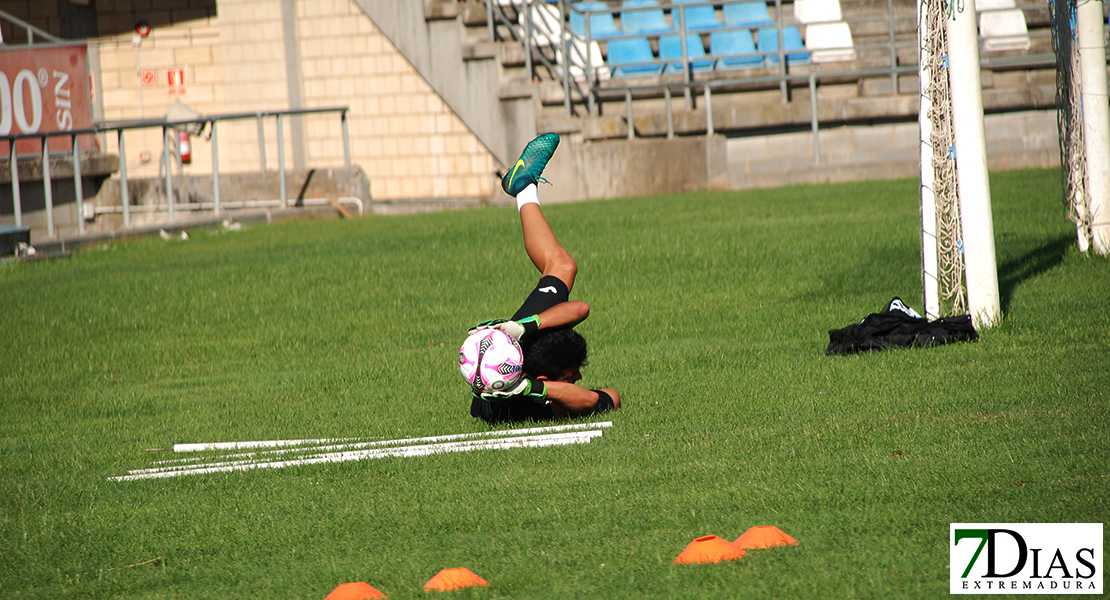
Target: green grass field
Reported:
[(710, 314)]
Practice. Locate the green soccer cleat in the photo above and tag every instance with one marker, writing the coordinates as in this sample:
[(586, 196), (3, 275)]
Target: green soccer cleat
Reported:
[(529, 167)]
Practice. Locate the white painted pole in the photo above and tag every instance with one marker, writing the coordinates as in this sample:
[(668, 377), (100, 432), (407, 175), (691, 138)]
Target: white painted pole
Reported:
[(557, 439), (1096, 120), (437, 438), (976, 222), (931, 288), (420, 450), (245, 445)]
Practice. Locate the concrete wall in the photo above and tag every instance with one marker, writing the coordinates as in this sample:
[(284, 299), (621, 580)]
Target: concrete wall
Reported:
[(642, 167), (472, 88), (409, 142), (192, 46), (1014, 140)]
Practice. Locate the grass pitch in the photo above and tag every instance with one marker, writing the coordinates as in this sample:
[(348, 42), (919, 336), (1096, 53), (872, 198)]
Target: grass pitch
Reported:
[(710, 315)]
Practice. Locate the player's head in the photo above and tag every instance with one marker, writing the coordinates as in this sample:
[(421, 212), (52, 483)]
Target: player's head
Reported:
[(558, 356)]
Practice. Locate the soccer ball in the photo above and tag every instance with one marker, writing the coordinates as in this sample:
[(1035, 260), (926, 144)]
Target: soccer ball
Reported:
[(490, 360)]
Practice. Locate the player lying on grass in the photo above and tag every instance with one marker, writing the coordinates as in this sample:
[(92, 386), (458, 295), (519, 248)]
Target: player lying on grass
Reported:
[(554, 353)]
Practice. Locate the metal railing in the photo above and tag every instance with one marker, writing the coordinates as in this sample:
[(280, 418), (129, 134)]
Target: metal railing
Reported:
[(31, 30), (599, 85), (561, 67), (888, 33), (169, 150)]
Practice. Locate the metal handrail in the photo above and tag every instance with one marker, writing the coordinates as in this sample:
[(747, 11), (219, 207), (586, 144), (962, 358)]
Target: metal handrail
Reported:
[(31, 30), (168, 140), (532, 50)]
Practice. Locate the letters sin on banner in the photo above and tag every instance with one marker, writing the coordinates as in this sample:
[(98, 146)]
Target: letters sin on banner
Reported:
[(45, 89), (1025, 558)]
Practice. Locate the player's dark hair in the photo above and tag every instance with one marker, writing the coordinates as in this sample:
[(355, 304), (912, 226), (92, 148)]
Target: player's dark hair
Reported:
[(552, 354)]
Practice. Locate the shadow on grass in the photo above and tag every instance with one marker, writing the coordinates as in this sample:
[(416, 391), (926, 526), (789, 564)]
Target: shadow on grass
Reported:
[(1014, 272)]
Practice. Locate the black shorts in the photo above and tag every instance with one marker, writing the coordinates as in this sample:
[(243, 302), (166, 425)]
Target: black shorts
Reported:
[(548, 292)]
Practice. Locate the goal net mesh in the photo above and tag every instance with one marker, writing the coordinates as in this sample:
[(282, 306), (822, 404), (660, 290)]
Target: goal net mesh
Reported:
[(950, 260), (1069, 115)]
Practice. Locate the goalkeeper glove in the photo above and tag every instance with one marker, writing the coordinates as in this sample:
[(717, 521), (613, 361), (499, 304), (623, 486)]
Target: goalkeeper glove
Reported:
[(515, 329), (533, 389)]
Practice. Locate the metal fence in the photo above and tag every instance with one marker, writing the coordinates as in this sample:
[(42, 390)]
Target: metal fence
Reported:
[(169, 151)]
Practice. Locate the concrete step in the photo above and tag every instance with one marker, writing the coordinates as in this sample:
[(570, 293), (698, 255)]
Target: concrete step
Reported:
[(440, 10)]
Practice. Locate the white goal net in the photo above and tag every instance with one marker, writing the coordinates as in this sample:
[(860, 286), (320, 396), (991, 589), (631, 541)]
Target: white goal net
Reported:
[(942, 247)]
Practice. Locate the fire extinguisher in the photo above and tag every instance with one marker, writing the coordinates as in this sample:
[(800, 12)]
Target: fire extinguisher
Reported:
[(185, 147)]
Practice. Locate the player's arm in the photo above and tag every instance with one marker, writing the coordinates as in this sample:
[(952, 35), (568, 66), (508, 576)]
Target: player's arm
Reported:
[(566, 399), (572, 399), (564, 314)]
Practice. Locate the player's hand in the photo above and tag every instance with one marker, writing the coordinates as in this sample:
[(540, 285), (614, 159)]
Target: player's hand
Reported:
[(514, 329), (527, 386)]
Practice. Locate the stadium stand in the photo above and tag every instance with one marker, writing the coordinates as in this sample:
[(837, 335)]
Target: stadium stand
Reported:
[(734, 49), (861, 52), (546, 23), (768, 42), (584, 57), (698, 18), (643, 17), (861, 70), (547, 27), (828, 36), (1002, 26), (602, 24), (747, 14), (632, 57), (817, 11), (670, 49), (830, 42)]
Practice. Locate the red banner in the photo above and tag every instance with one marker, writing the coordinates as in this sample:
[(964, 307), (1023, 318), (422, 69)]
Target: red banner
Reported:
[(45, 89)]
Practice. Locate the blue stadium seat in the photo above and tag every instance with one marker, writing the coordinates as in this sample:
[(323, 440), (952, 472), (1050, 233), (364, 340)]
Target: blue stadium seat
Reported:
[(624, 53), (670, 48), (698, 18), (647, 21), (602, 25), (791, 43), (731, 43), (747, 14)]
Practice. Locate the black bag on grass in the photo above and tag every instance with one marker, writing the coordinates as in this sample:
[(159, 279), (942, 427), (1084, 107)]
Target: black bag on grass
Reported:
[(899, 327)]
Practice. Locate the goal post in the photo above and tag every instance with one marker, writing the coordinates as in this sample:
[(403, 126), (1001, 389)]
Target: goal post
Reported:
[(1096, 122), (958, 255), (1082, 118), (973, 185)]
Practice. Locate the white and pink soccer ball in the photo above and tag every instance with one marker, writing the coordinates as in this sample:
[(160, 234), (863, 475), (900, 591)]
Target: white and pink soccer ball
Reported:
[(491, 360)]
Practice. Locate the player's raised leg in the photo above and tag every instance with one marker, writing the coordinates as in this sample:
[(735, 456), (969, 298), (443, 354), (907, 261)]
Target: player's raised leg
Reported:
[(544, 248), (540, 242)]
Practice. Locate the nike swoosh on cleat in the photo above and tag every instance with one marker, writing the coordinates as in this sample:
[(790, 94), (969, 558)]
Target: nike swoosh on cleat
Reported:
[(512, 176), (548, 290)]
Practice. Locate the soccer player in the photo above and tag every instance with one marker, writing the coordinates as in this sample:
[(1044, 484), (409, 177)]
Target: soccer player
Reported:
[(554, 353)]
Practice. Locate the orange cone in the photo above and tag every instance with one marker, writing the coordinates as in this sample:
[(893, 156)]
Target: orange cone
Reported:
[(764, 537), (454, 579), (355, 591), (709, 549)]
